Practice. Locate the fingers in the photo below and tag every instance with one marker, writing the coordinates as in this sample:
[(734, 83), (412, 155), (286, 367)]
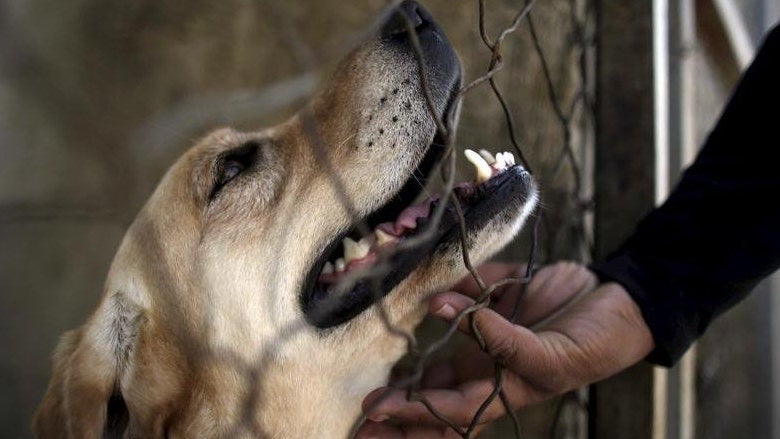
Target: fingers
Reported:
[(551, 289), (459, 405), (371, 430), (490, 273), (516, 347), (535, 370), (586, 337), (448, 305)]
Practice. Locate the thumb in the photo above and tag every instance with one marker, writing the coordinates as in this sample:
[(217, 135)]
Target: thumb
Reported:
[(516, 347)]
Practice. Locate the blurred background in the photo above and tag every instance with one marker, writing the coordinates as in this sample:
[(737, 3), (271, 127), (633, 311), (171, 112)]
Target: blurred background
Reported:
[(609, 101)]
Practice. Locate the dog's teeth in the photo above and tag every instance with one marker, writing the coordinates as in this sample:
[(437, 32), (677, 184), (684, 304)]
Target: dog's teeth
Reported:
[(509, 158), (340, 264), (483, 169), (500, 163), (327, 268), (355, 250), (383, 238), (487, 156)]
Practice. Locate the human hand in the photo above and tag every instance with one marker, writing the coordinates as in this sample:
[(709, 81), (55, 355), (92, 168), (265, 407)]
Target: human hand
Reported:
[(582, 332)]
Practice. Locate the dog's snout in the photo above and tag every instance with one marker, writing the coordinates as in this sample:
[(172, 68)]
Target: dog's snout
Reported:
[(408, 11)]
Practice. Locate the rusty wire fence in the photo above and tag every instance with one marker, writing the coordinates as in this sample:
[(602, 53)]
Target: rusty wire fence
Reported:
[(573, 148)]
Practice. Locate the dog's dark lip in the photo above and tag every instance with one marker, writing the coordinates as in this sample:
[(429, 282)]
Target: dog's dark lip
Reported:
[(482, 205)]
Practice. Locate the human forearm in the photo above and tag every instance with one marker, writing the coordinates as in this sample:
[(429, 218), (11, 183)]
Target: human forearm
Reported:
[(716, 236)]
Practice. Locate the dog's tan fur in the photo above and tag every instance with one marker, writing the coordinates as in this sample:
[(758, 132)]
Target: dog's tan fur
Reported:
[(200, 328)]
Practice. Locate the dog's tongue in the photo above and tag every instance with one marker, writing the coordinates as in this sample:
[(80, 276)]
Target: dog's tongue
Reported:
[(407, 219)]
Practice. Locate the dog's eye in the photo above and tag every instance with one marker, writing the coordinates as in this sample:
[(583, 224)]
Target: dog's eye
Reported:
[(232, 163), (230, 169)]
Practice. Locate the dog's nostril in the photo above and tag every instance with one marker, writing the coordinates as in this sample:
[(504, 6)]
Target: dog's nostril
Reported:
[(408, 11)]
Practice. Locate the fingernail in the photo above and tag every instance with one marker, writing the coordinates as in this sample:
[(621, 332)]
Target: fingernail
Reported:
[(378, 418), (446, 311)]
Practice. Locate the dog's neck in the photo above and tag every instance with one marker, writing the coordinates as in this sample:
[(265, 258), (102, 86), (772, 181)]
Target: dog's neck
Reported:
[(308, 389)]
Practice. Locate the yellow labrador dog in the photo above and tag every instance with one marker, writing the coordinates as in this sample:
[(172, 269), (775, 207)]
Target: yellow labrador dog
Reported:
[(235, 307)]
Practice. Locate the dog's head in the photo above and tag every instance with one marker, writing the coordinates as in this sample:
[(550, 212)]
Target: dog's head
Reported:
[(269, 248)]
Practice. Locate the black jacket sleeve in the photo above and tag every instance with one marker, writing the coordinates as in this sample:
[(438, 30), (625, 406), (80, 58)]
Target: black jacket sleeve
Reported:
[(718, 233)]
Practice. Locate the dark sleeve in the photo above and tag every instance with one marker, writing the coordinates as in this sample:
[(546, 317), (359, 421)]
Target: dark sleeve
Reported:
[(718, 233)]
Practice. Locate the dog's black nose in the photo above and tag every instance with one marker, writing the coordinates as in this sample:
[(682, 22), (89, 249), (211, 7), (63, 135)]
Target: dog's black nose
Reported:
[(409, 11)]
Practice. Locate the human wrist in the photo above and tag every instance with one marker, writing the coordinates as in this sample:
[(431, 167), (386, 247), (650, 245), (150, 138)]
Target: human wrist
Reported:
[(636, 339)]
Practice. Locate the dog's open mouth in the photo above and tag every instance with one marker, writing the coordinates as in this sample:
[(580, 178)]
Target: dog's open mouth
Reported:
[(355, 271)]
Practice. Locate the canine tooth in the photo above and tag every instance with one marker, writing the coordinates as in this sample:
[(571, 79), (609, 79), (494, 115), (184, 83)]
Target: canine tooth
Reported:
[(365, 242), (489, 158), (327, 268), (383, 238), (509, 158), (500, 162), (483, 169), (340, 264), (355, 250)]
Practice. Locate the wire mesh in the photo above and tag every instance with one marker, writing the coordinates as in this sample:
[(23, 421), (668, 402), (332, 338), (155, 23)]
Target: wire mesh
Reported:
[(575, 120)]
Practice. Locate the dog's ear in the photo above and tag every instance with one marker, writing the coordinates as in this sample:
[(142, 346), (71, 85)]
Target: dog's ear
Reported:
[(82, 400)]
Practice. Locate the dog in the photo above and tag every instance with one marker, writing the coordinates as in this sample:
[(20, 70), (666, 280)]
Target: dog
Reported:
[(242, 299)]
